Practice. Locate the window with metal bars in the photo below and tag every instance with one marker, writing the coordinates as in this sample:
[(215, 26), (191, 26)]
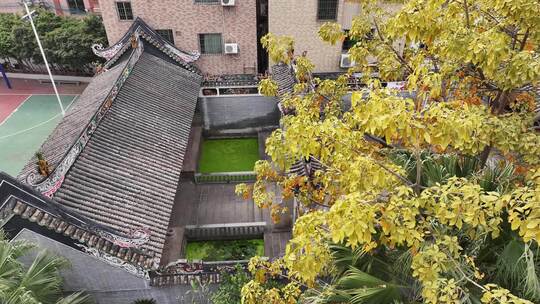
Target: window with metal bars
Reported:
[(124, 10), (76, 6), (166, 34), (211, 43), (327, 9)]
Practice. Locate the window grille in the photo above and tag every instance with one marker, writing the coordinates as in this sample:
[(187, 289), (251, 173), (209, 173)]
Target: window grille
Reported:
[(166, 34), (211, 43), (124, 10), (327, 9)]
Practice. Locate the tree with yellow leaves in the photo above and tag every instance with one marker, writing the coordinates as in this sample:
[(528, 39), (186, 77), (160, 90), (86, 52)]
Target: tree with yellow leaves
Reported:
[(431, 195)]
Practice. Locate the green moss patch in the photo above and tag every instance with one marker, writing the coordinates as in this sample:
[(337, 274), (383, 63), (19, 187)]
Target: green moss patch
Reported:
[(224, 250), (228, 155)]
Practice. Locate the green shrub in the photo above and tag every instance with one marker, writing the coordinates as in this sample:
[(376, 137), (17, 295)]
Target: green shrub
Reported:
[(229, 289)]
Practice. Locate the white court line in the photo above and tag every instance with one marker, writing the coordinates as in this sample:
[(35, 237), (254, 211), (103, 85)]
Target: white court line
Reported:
[(39, 124), (17, 108)]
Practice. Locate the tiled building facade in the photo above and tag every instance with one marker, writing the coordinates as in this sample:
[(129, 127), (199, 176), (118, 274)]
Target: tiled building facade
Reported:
[(188, 22), (302, 19)]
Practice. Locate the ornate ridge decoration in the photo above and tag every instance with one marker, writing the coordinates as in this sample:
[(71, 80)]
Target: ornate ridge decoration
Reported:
[(141, 29), (182, 272), (115, 261), (189, 58), (106, 53), (177, 55), (52, 183), (136, 237)]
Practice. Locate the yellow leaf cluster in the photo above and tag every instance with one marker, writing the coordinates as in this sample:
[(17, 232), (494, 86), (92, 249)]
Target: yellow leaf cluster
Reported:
[(495, 295)]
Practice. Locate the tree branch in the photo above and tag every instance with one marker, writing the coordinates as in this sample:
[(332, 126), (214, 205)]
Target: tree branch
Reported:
[(524, 41), (389, 45), (467, 19)]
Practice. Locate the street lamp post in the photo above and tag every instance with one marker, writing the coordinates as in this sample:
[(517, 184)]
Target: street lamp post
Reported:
[(29, 14)]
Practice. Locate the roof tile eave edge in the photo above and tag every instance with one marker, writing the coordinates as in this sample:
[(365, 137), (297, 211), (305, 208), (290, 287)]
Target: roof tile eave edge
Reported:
[(22, 201)]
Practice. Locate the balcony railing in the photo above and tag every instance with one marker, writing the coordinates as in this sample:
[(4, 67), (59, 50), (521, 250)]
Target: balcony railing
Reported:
[(225, 177), (225, 231)]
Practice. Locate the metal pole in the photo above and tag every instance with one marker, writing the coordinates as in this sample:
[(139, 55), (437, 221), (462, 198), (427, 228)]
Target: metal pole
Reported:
[(44, 58), (5, 76)]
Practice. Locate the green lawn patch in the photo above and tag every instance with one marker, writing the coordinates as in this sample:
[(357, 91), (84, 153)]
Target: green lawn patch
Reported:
[(228, 155), (224, 250)]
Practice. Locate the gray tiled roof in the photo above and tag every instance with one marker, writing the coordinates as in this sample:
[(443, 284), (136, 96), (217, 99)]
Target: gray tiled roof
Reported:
[(76, 119), (126, 177)]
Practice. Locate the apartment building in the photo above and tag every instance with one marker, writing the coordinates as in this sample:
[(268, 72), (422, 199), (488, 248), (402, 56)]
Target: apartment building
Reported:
[(60, 7), (302, 19), (224, 32)]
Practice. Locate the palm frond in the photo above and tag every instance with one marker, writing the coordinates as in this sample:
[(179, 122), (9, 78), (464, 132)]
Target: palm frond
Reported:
[(43, 278), (10, 267), (75, 298), (366, 289), (530, 280), (18, 296), (498, 178), (516, 270)]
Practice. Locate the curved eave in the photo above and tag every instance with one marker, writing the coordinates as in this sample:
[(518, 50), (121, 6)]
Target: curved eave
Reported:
[(115, 51)]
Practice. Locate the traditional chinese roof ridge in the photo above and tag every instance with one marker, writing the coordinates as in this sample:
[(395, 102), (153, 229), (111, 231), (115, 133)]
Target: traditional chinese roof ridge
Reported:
[(231, 80), (140, 28), (126, 176), (18, 199), (78, 115)]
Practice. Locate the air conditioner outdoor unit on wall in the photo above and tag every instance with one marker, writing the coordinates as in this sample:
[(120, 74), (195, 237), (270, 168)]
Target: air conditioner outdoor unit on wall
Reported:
[(345, 61), (227, 2), (231, 48)]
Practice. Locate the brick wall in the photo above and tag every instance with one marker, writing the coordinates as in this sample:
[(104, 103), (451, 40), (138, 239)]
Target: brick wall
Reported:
[(187, 20), (298, 18)]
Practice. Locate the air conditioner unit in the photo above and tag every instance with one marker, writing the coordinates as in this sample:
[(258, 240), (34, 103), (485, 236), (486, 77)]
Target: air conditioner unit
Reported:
[(231, 48), (346, 61), (227, 2)]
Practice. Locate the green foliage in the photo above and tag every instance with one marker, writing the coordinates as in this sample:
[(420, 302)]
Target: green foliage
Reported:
[(40, 283), (7, 22), (66, 40), (230, 287), (224, 250)]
